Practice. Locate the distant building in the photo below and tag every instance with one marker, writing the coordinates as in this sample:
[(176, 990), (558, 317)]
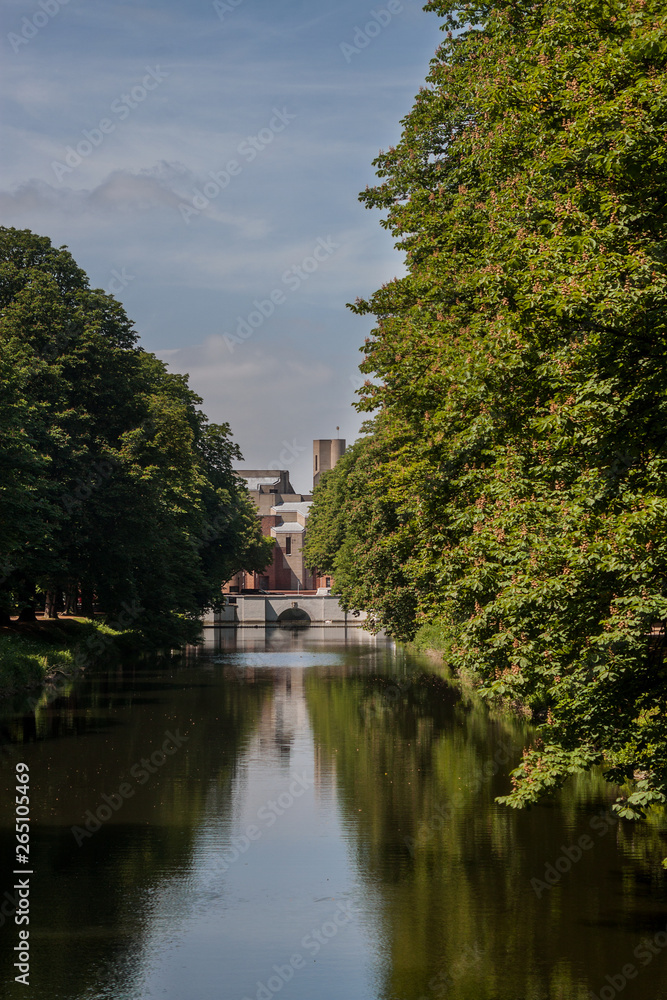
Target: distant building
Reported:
[(326, 453), (284, 515)]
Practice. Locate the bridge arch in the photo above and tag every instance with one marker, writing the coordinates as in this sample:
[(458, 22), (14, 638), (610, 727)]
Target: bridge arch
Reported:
[(294, 617)]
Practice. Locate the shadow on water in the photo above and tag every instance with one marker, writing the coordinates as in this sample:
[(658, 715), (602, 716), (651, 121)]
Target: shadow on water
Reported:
[(198, 822)]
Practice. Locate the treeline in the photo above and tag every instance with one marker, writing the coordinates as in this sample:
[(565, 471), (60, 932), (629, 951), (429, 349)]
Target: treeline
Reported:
[(115, 490), (510, 500)]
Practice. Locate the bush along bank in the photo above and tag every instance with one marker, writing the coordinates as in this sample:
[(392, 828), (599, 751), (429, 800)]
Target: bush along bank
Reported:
[(511, 489), (33, 654)]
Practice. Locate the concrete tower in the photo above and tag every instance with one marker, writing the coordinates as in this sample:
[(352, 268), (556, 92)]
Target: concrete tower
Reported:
[(326, 453)]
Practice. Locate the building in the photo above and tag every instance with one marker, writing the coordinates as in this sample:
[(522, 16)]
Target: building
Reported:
[(284, 516), (326, 453)]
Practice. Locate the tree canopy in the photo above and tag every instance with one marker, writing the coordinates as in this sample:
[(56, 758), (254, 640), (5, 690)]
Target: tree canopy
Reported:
[(513, 497), (112, 481)]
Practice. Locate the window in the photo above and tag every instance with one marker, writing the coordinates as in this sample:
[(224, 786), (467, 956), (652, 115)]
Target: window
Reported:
[(328, 581), (316, 463), (288, 545)]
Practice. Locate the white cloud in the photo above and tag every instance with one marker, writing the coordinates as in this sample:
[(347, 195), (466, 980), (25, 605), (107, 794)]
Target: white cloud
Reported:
[(119, 209)]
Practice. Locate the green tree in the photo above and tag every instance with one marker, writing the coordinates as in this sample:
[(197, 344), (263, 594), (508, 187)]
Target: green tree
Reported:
[(25, 505), (356, 532), (114, 482), (522, 361)]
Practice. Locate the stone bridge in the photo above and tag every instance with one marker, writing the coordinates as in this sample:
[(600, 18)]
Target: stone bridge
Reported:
[(248, 610)]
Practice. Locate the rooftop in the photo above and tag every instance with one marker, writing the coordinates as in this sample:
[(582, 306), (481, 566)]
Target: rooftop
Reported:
[(302, 507), (254, 484)]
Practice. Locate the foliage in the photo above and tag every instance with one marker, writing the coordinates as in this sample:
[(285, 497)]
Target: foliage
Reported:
[(354, 534), (33, 652), (519, 372), (113, 481)]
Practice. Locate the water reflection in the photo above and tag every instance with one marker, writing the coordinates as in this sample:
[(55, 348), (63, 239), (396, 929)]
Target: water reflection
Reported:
[(325, 827)]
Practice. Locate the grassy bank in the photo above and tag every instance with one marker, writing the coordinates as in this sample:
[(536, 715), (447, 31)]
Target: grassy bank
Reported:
[(431, 637), (32, 653), (433, 641)]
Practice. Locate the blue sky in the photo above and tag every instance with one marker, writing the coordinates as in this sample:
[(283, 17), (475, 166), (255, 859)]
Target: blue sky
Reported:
[(202, 161)]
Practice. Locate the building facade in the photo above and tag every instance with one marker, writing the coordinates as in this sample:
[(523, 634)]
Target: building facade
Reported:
[(284, 516)]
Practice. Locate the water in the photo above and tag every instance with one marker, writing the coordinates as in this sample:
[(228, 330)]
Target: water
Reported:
[(285, 814)]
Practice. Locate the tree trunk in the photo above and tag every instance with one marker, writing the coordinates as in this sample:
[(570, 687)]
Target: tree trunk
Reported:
[(70, 600), (50, 604)]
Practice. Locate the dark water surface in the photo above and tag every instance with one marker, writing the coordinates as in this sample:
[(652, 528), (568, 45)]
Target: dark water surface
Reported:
[(285, 814)]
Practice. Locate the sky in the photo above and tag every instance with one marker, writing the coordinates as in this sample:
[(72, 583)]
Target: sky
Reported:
[(202, 161)]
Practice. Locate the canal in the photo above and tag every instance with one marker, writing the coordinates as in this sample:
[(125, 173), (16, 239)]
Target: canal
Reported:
[(310, 815)]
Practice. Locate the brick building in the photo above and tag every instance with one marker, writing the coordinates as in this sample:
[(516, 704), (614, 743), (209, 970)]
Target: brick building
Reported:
[(284, 516)]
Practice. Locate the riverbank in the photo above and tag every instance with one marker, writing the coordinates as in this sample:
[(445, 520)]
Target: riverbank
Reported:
[(432, 642), (34, 653)]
